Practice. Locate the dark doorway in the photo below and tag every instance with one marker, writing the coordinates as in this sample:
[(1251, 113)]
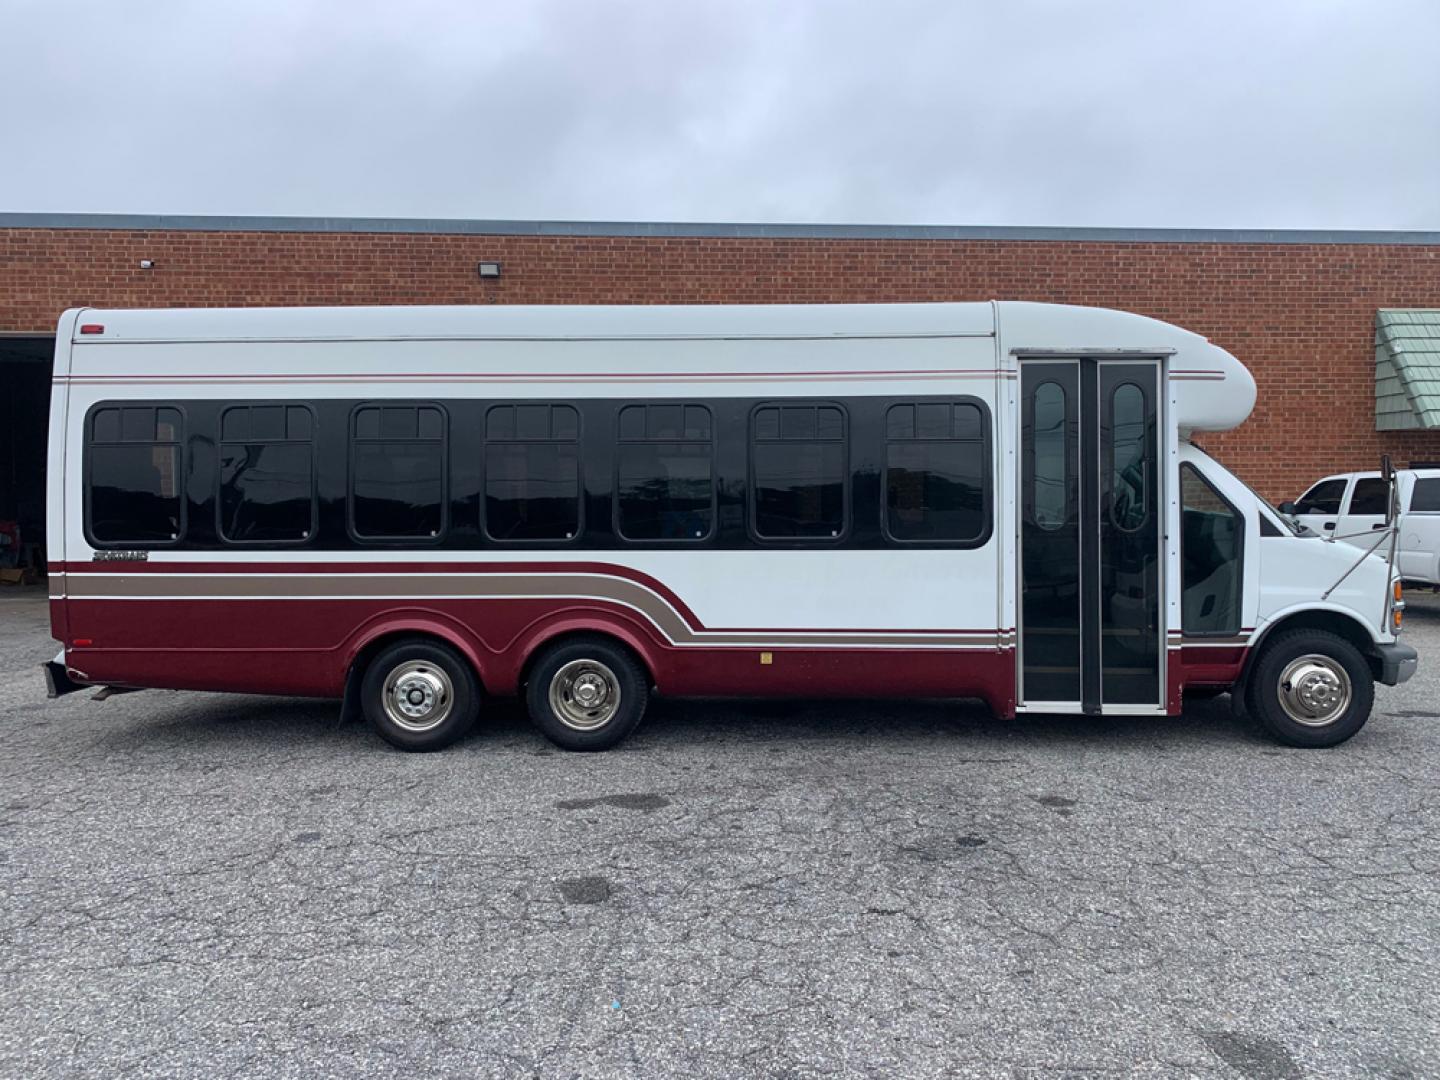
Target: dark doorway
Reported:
[(25, 364)]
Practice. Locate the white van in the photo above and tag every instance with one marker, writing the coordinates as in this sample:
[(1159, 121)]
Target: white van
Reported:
[(419, 510), (1351, 507)]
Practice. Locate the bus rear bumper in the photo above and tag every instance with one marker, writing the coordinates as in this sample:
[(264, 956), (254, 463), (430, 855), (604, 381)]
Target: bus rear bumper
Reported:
[(1397, 663)]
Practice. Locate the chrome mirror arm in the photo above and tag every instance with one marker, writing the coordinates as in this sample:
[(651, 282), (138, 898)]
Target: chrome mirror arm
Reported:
[(1389, 533)]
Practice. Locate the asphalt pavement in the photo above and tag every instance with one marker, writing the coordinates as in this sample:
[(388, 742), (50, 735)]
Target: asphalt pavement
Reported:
[(197, 885)]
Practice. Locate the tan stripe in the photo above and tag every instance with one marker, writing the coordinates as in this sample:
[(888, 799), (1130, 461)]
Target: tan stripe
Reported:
[(483, 586)]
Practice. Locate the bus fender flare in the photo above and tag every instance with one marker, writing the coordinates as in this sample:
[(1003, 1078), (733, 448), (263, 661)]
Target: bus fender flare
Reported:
[(634, 634), (401, 623)]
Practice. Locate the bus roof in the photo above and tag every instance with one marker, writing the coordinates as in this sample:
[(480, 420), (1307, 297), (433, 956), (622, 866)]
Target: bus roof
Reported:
[(1025, 324), (540, 322)]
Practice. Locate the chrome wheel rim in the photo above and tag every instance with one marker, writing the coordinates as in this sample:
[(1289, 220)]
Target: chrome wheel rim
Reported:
[(1314, 690), (584, 695), (418, 696)]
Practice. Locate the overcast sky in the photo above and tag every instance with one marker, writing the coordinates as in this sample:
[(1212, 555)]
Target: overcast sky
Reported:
[(1261, 113)]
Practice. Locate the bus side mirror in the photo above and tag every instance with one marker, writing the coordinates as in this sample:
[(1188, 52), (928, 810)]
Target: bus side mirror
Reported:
[(1287, 508)]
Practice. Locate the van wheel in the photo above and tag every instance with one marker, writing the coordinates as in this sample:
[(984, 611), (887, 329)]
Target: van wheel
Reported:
[(1311, 688), (586, 694), (419, 695)]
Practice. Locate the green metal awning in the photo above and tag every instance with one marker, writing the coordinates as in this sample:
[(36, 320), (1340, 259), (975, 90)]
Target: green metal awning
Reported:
[(1407, 368)]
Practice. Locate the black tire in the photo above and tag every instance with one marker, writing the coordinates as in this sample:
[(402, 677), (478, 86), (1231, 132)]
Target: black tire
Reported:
[(429, 667), (1266, 692), (590, 664)]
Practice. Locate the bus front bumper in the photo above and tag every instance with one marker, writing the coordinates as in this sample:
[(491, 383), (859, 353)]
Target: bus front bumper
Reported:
[(1397, 662)]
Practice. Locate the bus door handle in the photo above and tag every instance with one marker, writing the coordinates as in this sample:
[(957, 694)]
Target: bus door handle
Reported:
[(1379, 526), (1330, 525)]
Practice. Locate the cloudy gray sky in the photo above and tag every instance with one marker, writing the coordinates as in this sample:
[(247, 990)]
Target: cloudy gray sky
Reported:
[(1260, 113)]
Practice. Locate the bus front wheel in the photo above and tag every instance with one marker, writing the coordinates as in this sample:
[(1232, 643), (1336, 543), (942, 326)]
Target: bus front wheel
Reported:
[(1311, 688), (586, 694)]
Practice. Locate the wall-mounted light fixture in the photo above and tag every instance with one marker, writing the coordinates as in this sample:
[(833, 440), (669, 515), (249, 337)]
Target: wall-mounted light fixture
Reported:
[(488, 269), (147, 264)]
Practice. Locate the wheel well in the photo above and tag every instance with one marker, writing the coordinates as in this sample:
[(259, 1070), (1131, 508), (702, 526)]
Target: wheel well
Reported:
[(543, 647), (1330, 621), (350, 704)]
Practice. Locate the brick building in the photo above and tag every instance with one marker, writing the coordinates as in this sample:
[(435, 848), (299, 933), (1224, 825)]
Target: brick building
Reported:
[(1299, 308)]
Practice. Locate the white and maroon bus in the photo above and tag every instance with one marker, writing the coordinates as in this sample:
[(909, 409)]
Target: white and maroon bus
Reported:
[(417, 509)]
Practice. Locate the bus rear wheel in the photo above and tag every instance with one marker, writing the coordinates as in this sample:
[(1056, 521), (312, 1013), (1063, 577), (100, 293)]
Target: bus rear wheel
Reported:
[(1311, 688), (586, 694), (419, 695)]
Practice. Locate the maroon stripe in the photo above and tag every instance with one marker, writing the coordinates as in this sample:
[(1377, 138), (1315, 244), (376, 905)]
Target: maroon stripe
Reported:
[(605, 569)]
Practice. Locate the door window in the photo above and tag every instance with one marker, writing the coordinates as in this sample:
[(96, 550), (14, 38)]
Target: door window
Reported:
[(1128, 474), (1323, 498), (1371, 496), (1052, 463), (1212, 534)]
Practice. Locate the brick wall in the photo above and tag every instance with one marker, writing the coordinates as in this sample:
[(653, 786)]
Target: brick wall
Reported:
[(1301, 316)]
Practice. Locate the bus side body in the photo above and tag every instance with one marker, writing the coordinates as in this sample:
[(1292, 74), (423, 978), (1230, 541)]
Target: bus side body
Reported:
[(799, 555), (832, 501)]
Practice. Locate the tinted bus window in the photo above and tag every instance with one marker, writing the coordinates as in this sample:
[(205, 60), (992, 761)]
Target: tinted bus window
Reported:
[(267, 474), (936, 472), (532, 472), (665, 487), (134, 494), (397, 472), (799, 470)]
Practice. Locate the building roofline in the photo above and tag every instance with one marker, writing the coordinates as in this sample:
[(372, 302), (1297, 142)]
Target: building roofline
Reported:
[(710, 230)]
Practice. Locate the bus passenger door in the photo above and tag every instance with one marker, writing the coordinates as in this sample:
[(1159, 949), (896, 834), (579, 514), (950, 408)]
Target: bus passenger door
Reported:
[(1091, 617)]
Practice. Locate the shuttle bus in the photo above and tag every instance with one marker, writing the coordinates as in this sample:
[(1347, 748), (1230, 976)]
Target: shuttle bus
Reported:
[(416, 510)]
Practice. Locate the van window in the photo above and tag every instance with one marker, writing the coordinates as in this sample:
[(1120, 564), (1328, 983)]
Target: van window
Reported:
[(532, 472), (1425, 499), (1371, 496), (1211, 535), (936, 472), (397, 472), (799, 468), (267, 474), (133, 491), (1323, 498), (665, 483)]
